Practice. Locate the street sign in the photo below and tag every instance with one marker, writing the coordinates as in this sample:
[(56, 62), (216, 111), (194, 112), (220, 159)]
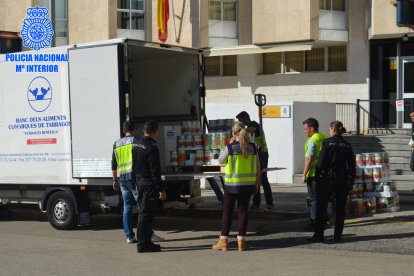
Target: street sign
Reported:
[(400, 105), (276, 111), (393, 64)]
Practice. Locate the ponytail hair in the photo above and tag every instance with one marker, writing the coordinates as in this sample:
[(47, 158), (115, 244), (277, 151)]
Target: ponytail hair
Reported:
[(338, 127), (244, 138)]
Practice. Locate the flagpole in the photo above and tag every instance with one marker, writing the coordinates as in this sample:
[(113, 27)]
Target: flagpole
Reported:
[(175, 31)]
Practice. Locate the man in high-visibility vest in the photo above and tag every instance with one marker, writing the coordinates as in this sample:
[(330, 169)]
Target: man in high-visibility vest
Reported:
[(123, 178), (313, 147)]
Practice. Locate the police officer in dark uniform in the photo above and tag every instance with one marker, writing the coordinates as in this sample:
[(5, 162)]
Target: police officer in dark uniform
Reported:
[(147, 169), (334, 172)]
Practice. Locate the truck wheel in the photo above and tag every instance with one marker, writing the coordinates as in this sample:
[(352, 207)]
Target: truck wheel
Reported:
[(3, 207), (60, 211)]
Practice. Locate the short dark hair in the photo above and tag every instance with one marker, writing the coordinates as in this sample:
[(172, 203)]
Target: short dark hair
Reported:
[(150, 127), (243, 114), (128, 126), (312, 122)]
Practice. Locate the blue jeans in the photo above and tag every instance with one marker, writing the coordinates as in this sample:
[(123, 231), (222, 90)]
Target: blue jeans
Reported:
[(130, 197)]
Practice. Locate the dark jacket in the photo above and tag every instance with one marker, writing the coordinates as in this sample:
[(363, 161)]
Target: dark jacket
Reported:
[(336, 156), (146, 162)]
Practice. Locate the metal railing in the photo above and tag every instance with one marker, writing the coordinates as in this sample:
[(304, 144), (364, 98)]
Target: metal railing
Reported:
[(345, 112), (357, 118), (374, 122)]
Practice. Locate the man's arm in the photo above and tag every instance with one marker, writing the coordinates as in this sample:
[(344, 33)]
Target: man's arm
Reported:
[(308, 162), (351, 165), (114, 164), (309, 156), (155, 168), (258, 174)]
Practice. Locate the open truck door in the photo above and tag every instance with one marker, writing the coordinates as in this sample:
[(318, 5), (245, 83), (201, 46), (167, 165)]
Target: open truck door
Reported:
[(97, 107)]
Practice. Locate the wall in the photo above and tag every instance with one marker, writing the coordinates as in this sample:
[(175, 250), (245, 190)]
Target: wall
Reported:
[(384, 22), (284, 21), (245, 22), (309, 86), (323, 112), (91, 20), (12, 14)]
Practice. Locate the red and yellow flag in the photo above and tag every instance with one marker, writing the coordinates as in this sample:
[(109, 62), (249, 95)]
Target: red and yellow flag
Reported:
[(163, 14)]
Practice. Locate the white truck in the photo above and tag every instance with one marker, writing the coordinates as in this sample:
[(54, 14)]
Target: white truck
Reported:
[(61, 109)]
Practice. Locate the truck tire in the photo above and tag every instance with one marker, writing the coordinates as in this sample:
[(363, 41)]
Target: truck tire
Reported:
[(60, 211)]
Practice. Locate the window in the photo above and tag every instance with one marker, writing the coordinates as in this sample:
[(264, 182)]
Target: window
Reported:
[(334, 5), (131, 14), (221, 66), (328, 58), (212, 66), (230, 66), (337, 58), (58, 12), (214, 10), (272, 63), (222, 10), (315, 60), (294, 61)]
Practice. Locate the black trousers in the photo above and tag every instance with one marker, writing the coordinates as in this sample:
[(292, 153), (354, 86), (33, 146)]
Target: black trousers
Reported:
[(324, 191), (148, 195), (264, 160)]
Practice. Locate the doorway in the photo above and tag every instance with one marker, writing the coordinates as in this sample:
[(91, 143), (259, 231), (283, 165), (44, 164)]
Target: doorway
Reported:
[(407, 85)]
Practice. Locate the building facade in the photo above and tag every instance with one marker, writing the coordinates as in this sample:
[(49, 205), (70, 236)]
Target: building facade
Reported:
[(304, 50)]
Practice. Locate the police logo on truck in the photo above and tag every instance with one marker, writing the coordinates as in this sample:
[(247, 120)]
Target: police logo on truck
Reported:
[(39, 94), (37, 30)]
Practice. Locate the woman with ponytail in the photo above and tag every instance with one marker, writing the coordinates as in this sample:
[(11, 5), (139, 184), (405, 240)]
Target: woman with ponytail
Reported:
[(335, 171), (242, 179)]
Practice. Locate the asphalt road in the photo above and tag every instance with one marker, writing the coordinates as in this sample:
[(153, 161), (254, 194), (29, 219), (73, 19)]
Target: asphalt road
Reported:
[(383, 245)]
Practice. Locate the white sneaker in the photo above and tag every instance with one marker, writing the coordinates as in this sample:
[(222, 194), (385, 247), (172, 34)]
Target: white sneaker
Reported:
[(133, 240)]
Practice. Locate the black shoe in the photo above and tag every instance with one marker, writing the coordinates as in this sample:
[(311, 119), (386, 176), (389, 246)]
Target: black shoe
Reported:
[(338, 239), (316, 239), (152, 247)]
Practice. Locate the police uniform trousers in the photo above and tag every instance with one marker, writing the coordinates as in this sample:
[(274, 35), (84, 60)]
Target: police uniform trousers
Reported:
[(148, 195), (324, 191)]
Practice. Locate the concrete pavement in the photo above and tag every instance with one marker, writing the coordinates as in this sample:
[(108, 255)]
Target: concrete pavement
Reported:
[(382, 244)]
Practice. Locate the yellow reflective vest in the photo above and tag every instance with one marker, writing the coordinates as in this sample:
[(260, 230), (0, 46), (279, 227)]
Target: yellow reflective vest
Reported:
[(317, 139), (240, 173), (122, 156)]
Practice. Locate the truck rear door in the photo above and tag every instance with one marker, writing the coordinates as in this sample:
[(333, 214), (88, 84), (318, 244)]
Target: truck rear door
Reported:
[(96, 106)]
